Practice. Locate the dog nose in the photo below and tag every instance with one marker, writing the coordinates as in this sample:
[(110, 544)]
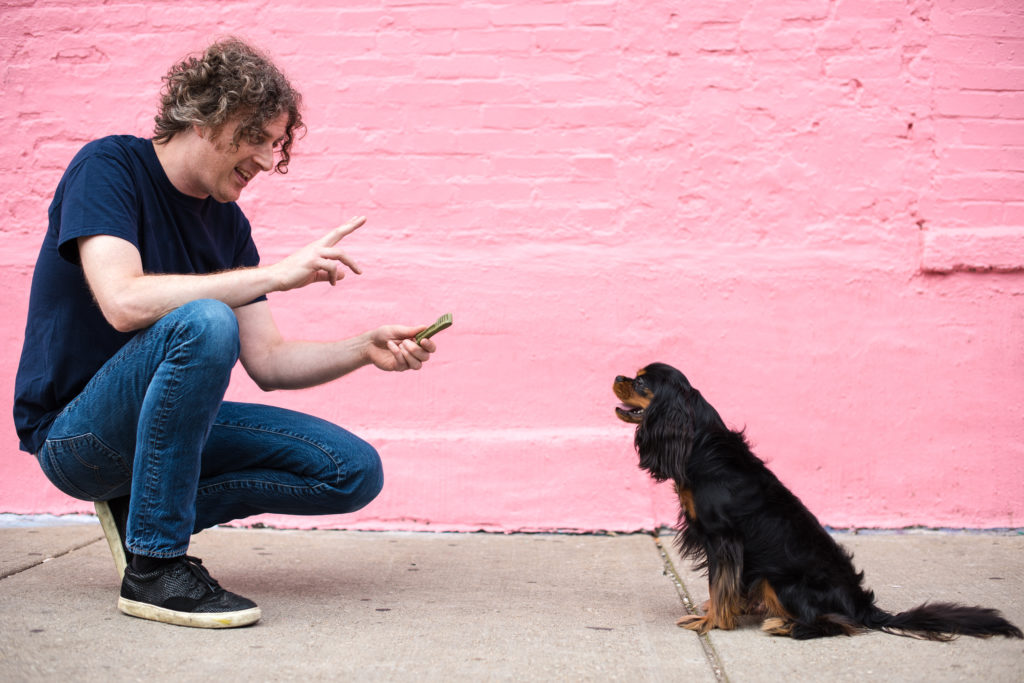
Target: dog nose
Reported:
[(620, 378)]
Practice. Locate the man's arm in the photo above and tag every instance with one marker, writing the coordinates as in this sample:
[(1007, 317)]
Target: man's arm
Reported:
[(276, 363), (132, 299)]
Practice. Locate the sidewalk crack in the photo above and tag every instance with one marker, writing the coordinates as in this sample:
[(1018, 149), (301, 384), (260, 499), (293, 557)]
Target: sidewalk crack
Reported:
[(15, 572), (669, 569)]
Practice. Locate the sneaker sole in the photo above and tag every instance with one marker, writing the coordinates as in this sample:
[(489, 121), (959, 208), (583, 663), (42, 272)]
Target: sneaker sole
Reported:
[(109, 527), (143, 610)]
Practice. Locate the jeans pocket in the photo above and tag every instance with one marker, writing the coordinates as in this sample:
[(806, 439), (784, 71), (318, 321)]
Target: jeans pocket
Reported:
[(84, 467)]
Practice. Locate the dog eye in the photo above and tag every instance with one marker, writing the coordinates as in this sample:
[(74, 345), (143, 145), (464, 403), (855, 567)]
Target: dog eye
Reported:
[(639, 385)]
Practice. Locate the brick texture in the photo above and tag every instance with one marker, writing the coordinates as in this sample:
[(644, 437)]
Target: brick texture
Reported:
[(814, 208)]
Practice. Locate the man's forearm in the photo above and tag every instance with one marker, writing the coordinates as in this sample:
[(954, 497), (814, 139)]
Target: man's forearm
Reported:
[(302, 364), (146, 298), (132, 299)]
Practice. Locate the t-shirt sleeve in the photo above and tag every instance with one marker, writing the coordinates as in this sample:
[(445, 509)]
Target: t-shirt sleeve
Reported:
[(99, 198), (246, 254)]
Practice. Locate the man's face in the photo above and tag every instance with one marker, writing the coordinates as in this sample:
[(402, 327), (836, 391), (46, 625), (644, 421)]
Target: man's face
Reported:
[(222, 171)]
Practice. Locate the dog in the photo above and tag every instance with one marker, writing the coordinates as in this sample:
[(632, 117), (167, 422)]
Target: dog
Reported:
[(763, 551)]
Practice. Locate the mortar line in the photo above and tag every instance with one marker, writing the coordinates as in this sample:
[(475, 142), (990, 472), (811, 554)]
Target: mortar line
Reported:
[(669, 569)]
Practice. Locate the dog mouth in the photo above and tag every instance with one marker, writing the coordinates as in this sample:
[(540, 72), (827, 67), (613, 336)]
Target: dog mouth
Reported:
[(631, 414), (633, 404)]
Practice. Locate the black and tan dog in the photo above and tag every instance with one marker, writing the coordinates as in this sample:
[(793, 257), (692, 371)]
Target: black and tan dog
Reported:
[(763, 551)]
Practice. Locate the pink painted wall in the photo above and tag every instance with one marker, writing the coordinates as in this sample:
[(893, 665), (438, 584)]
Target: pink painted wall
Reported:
[(813, 208)]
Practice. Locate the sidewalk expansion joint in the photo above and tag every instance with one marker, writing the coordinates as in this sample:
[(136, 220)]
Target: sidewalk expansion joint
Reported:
[(669, 570), (52, 557)]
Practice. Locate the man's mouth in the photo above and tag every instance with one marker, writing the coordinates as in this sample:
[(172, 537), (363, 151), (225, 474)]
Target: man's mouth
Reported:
[(245, 175)]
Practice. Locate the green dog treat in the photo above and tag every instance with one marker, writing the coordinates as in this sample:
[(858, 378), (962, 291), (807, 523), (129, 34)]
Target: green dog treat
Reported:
[(442, 323)]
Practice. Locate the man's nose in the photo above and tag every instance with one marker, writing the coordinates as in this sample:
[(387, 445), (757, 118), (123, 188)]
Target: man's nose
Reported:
[(265, 156)]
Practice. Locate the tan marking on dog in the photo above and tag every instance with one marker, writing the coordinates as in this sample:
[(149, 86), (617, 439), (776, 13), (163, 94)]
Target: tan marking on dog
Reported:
[(625, 393), (777, 626), (722, 610), (686, 501), (770, 599)]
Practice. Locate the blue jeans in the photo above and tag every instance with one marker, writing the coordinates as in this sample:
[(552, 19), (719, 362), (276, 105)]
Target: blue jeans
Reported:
[(152, 423)]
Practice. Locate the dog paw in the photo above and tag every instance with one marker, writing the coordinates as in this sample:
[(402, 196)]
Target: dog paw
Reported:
[(777, 627), (695, 622)]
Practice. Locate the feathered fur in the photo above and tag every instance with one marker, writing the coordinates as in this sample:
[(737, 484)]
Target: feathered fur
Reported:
[(763, 551)]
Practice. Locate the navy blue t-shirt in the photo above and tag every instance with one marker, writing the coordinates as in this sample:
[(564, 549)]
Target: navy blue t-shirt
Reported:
[(113, 186)]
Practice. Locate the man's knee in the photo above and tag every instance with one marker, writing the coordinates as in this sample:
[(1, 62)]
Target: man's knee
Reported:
[(352, 476), (365, 475), (211, 327)]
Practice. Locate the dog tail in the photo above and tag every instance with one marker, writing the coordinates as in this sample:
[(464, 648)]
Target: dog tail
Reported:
[(944, 621)]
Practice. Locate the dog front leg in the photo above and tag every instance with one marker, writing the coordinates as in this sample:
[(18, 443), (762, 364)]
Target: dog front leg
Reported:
[(725, 559)]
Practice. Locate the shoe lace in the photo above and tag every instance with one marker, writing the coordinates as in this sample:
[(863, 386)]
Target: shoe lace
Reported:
[(195, 565)]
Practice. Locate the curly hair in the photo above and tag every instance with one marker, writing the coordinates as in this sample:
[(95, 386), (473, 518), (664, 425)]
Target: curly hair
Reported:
[(231, 79)]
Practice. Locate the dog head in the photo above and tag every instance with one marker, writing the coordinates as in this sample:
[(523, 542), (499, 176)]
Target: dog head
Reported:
[(670, 416)]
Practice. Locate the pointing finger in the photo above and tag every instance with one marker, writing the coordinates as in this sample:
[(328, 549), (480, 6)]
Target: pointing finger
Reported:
[(335, 235)]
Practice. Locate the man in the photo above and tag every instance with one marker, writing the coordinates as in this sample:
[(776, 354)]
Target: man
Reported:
[(146, 292)]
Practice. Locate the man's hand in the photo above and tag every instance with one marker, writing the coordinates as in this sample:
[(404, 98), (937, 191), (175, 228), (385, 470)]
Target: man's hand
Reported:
[(392, 348), (318, 261)]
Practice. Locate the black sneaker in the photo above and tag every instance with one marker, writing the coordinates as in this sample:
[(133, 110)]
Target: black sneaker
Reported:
[(113, 516), (182, 592)]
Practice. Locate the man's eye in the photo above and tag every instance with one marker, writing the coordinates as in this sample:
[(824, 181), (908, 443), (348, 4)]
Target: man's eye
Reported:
[(254, 136)]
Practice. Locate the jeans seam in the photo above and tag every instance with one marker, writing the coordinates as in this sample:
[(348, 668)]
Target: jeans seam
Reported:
[(339, 468), (70, 441), (56, 469), (257, 483), (115, 362), (159, 428)]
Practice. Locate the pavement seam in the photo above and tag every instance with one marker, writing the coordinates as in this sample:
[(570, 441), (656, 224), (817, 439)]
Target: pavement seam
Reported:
[(669, 570), (52, 557)]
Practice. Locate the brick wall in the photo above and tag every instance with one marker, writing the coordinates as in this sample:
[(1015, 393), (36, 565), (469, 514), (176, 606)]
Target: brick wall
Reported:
[(813, 208), (974, 213)]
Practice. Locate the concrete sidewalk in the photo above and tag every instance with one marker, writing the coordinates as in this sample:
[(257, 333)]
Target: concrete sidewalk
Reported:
[(466, 607)]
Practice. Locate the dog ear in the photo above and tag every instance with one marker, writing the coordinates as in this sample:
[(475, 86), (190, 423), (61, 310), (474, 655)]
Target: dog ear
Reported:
[(665, 438)]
